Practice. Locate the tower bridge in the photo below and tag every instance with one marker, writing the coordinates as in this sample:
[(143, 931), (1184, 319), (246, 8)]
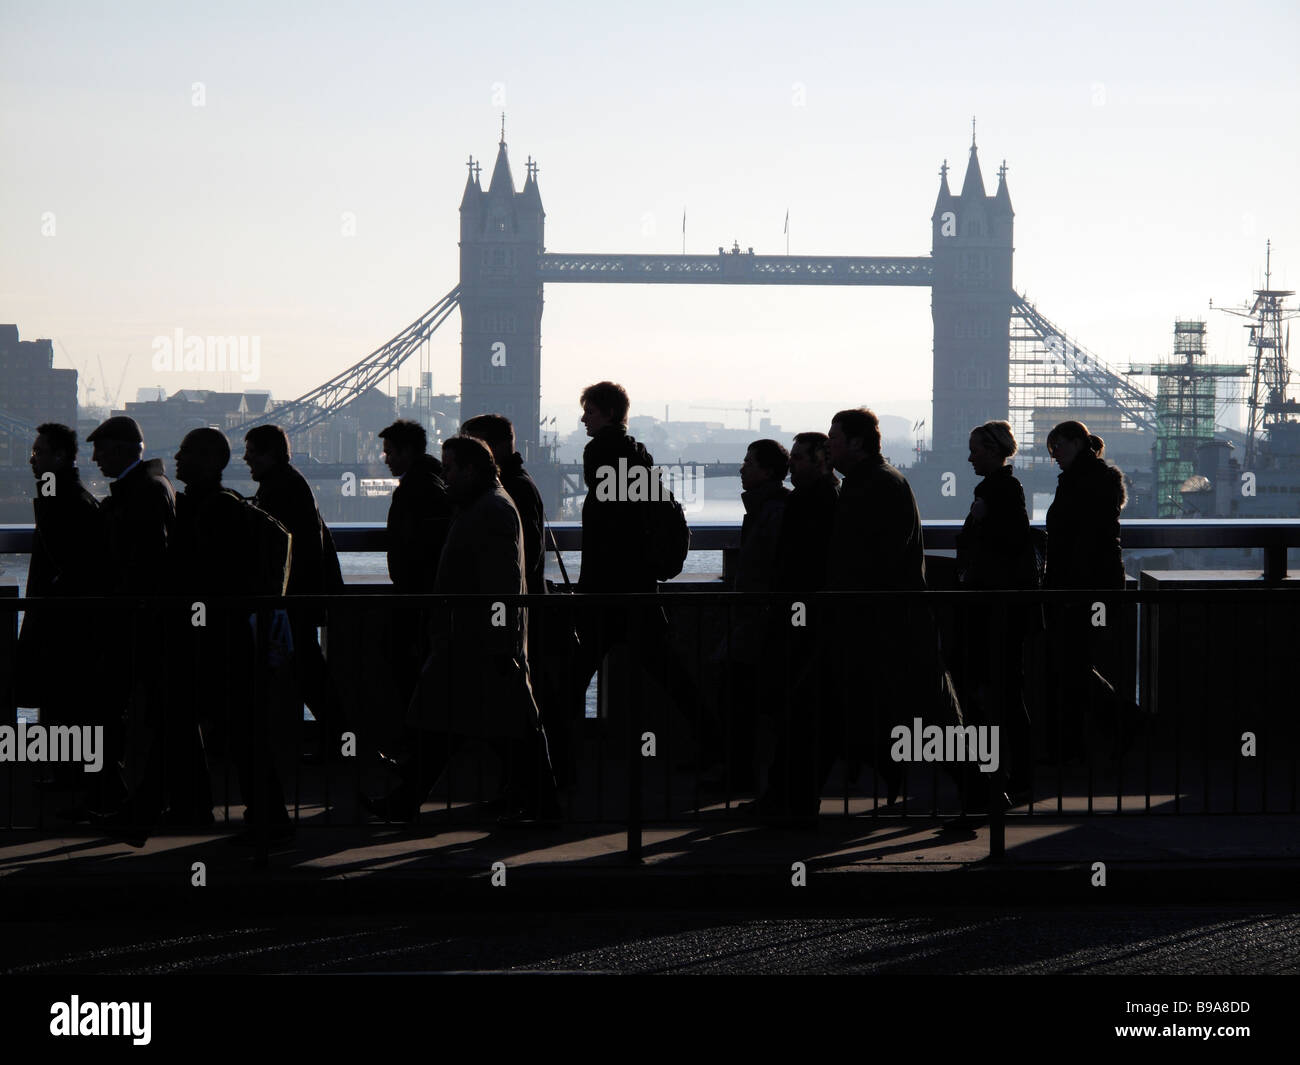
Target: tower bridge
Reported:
[(994, 354)]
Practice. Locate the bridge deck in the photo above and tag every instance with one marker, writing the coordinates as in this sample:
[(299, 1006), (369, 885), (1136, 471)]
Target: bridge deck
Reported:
[(735, 268)]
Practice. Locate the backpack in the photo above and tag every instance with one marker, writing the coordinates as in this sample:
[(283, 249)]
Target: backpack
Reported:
[(670, 535)]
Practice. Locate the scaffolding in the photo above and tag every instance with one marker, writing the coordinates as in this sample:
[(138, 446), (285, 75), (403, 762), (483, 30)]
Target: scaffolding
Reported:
[(1185, 409)]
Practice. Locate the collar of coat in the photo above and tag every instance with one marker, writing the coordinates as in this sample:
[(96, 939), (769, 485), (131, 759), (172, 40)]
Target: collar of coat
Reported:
[(865, 465), (1002, 473), (513, 466), (144, 469), (754, 499)]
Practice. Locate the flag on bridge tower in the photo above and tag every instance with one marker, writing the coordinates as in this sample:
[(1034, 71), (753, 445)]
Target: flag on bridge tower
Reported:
[(683, 230), (787, 231)]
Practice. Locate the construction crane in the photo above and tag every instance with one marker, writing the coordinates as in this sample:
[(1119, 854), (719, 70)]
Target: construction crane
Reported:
[(111, 397), (749, 410)]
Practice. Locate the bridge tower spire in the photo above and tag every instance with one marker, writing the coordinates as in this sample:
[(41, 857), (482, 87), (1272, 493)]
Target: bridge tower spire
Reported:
[(971, 248), (502, 237)]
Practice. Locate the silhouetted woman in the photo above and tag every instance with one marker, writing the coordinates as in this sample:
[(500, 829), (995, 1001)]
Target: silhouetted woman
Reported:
[(994, 551), (1083, 551)]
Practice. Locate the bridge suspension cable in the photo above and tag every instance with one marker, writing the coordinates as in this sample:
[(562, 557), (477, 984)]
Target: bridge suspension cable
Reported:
[(326, 400), (1084, 370)]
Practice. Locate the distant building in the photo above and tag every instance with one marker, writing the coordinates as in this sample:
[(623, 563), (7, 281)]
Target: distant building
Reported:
[(31, 389), (165, 422)]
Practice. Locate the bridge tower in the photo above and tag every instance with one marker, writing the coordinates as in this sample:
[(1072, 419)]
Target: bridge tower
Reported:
[(501, 245), (971, 246)]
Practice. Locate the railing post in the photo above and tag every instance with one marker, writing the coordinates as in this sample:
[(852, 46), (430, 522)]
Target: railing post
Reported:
[(1275, 561), (636, 693), (9, 685), (261, 739), (999, 701)]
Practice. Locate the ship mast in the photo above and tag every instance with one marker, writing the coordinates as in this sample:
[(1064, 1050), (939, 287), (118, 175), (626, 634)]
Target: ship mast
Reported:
[(1271, 376)]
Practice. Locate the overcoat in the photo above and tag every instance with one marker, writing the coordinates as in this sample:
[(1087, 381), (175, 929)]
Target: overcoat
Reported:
[(1083, 548), (137, 518), (993, 548), (475, 682), (418, 517)]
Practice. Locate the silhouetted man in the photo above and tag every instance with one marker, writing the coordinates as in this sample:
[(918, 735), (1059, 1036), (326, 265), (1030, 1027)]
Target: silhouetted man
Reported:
[(65, 561), (136, 520), (618, 551), (215, 553), (874, 671), (744, 650), (876, 538), (475, 683), (284, 493), (418, 518), (419, 512), (139, 513)]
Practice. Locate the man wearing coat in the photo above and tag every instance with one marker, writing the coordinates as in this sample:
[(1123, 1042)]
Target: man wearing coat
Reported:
[(283, 492), (618, 553), (745, 651), (136, 523), (882, 663), (419, 515), (65, 561), (218, 675), (419, 512), (475, 684)]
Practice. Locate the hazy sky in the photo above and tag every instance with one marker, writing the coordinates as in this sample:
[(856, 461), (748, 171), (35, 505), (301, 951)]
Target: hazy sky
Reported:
[(1152, 148)]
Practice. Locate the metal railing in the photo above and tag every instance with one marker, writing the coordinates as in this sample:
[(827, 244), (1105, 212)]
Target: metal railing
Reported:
[(737, 684)]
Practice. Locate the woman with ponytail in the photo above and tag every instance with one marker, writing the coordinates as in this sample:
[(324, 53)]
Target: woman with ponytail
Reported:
[(1083, 521), (1083, 551)]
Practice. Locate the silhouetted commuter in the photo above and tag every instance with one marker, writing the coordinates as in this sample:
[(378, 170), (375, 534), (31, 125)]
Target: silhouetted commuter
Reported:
[(876, 538), (994, 551), (618, 549), (744, 649), (136, 521), (418, 518), (217, 551), (802, 549), (879, 668), (283, 492), (549, 646), (65, 561), (498, 433), (797, 655), (764, 495), (1083, 548), (616, 546), (138, 514), (1083, 552), (475, 683), (420, 511)]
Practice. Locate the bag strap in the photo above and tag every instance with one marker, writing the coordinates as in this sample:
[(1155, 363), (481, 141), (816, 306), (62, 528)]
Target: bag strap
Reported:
[(550, 533)]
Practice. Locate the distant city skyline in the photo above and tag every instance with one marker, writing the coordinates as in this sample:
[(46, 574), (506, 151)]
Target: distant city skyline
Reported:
[(249, 173)]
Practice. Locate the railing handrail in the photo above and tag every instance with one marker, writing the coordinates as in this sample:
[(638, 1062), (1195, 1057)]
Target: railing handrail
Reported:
[(940, 535), (363, 595)]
